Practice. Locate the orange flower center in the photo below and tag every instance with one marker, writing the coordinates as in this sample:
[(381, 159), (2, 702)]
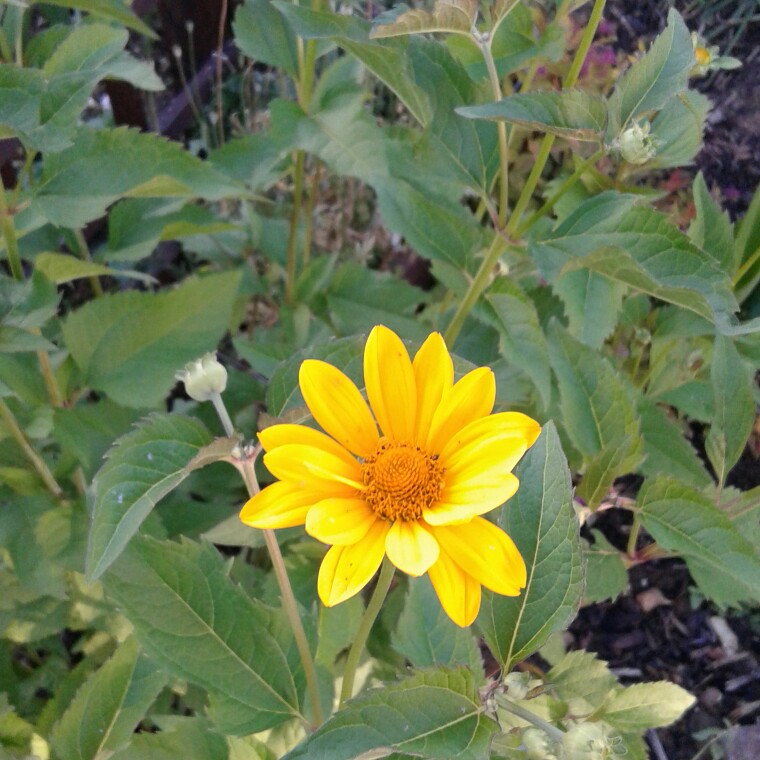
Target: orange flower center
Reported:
[(401, 480), (702, 55)]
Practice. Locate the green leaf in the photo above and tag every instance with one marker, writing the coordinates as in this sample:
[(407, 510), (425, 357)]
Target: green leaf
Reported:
[(598, 416), (711, 228), (606, 576), (254, 159), (637, 247), (734, 407), (677, 130), (521, 340), (581, 680), (541, 520), (747, 251), (103, 714), (666, 450), (111, 10), (359, 298), (143, 466), (427, 637), (646, 705), (722, 562), (61, 267), (434, 714), (454, 16), (661, 73), (592, 305), (573, 114), (130, 344), (197, 625), (77, 185), (262, 34), (25, 306)]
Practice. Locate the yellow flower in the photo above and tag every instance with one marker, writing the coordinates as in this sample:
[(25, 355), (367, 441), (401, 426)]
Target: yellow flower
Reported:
[(414, 489)]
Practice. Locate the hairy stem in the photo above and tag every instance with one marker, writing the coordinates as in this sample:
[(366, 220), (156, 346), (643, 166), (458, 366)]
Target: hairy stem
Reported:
[(552, 731), (362, 634)]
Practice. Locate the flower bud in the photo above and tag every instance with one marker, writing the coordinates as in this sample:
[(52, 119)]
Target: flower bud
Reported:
[(636, 145), (536, 744), (591, 741), (517, 685), (204, 377)]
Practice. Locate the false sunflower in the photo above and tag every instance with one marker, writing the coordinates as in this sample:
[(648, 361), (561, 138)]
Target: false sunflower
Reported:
[(407, 476)]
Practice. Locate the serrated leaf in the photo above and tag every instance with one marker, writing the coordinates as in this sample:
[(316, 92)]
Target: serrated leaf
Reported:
[(60, 268), (522, 341), (453, 16), (196, 624), (598, 416), (582, 680), (262, 34), (666, 450), (182, 738), (427, 637), (542, 522), (606, 576), (646, 705), (141, 469), (677, 130), (101, 166), (392, 719), (661, 73), (592, 304), (29, 303), (734, 407), (131, 344), (711, 228), (573, 114), (103, 714), (722, 562)]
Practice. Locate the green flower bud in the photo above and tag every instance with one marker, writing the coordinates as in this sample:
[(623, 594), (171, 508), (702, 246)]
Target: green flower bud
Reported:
[(636, 145), (537, 745), (204, 377), (517, 685), (591, 741)]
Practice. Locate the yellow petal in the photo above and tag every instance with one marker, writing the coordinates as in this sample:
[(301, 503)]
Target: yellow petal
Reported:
[(486, 553), (481, 461), (459, 592), (391, 388), (461, 503), (281, 435), (434, 375), (338, 406), (492, 428), (280, 505), (469, 399), (312, 468), (345, 570), (410, 547), (340, 521)]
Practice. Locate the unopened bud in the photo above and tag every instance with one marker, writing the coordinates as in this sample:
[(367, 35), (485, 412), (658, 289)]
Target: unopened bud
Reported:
[(591, 741), (204, 377), (636, 145), (537, 745), (517, 685)]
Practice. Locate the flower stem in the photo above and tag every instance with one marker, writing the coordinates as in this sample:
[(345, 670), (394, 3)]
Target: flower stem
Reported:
[(552, 731), (362, 634), (295, 215), (9, 233), (34, 458), (224, 416)]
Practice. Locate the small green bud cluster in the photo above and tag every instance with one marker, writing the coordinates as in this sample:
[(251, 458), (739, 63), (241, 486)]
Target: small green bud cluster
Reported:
[(592, 741), (636, 145)]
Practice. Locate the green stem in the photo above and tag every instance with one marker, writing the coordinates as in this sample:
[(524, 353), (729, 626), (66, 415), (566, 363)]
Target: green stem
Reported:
[(634, 535), (362, 634), (566, 185), (9, 233), (295, 215), (223, 414), (84, 252), (493, 76), (311, 200), (289, 603), (546, 145), (745, 267), (477, 286), (34, 458), (555, 733)]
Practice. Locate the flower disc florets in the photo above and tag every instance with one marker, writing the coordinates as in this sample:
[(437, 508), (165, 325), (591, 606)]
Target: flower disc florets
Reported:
[(407, 476)]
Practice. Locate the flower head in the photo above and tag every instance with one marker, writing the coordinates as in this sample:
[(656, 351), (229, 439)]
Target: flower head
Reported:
[(204, 377), (409, 479), (707, 58)]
